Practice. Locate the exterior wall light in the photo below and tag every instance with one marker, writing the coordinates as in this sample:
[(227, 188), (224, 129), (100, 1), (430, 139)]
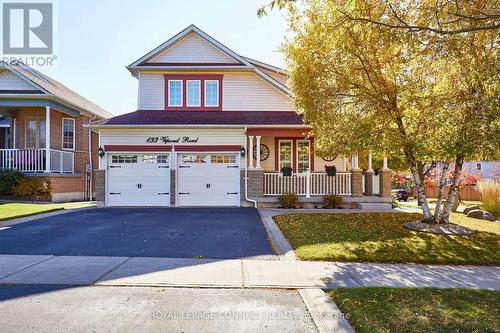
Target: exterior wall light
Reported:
[(242, 151), (100, 152)]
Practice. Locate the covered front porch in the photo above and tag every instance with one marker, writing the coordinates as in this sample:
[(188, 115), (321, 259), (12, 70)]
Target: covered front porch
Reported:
[(38, 132), (276, 150)]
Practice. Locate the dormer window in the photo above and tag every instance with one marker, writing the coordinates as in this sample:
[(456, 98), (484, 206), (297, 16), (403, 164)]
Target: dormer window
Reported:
[(193, 92), (174, 92)]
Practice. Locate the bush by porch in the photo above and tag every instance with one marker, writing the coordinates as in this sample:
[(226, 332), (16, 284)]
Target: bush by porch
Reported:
[(380, 237)]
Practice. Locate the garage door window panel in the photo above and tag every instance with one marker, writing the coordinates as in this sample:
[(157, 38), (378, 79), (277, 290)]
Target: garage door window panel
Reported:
[(120, 159), (155, 159)]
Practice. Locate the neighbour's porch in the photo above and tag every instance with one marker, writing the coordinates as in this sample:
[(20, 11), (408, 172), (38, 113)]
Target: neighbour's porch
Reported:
[(40, 140), (277, 149)]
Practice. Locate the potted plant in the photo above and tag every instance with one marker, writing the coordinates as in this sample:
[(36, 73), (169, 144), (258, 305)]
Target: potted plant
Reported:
[(331, 170), (286, 171)]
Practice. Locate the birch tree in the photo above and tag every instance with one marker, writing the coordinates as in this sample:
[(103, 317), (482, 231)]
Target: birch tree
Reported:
[(412, 79)]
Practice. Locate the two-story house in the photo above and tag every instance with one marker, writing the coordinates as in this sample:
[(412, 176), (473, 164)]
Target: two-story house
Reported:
[(42, 133), (213, 128)]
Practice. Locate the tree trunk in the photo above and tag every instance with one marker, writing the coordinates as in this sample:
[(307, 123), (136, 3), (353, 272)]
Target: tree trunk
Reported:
[(417, 172), (445, 216), (456, 202), (442, 180)]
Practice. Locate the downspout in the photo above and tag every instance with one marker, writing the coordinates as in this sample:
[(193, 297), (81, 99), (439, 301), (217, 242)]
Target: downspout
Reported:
[(246, 172), (90, 158)]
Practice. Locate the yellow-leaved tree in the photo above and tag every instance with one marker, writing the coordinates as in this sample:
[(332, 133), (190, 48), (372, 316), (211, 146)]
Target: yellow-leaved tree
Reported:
[(416, 80)]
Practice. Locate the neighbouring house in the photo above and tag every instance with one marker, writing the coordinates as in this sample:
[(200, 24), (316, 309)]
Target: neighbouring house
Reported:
[(42, 133), (484, 169), (214, 128)]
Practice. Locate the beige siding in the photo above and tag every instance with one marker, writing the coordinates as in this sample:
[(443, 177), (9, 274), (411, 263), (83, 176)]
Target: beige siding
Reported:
[(193, 49), (319, 163), (151, 92), (282, 78), (10, 81), (248, 92), (241, 92)]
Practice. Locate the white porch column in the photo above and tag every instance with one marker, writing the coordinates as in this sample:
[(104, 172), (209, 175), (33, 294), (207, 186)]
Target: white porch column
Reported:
[(355, 164), (370, 169), (250, 152), (384, 167), (258, 152), (47, 139), (13, 134)]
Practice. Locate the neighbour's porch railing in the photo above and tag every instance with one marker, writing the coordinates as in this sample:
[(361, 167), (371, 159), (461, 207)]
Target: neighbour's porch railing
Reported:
[(34, 160), (314, 183)]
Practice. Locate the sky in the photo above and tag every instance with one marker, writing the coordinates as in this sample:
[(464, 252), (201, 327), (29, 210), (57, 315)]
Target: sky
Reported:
[(96, 39)]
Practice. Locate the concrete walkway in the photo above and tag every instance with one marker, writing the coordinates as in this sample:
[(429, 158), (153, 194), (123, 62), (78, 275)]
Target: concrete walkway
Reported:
[(211, 273)]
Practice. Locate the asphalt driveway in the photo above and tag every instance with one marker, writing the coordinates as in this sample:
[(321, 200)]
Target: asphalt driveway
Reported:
[(219, 233)]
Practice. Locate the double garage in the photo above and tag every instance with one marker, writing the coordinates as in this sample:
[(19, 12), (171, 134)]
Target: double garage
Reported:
[(172, 178)]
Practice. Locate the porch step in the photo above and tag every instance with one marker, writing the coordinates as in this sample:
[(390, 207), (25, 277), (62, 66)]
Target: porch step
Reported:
[(375, 206)]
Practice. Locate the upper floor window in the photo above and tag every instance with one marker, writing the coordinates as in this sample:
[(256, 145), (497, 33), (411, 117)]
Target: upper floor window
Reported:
[(212, 93), (193, 93), (175, 93), (68, 131)]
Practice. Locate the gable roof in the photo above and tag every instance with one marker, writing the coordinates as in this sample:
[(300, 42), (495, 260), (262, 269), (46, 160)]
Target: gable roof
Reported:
[(53, 89), (241, 63)]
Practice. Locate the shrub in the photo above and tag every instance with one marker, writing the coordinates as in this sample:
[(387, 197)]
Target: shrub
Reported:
[(8, 179), (490, 196), (289, 200), (32, 187), (332, 201)]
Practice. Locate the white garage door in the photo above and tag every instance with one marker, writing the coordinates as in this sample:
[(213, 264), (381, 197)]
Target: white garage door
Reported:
[(138, 180), (208, 180)]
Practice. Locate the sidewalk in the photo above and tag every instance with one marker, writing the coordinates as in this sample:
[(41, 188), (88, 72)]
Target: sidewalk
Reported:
[(175, 272)]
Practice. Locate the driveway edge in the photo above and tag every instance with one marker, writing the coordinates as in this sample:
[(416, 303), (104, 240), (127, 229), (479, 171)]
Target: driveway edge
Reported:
[(41, 216), (324, 313)]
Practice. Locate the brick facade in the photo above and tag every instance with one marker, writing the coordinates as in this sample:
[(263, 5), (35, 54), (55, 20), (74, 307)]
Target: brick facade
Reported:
[(62, 183), (385, 183), (369, 182), (100, 187), (357, 183)]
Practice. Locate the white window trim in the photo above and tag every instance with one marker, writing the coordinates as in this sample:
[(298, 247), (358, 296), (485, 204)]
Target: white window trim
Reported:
[(205, 93), (168, 87), (297, 152), (187, 93), (62, 133), (279, 153), (37, 132)]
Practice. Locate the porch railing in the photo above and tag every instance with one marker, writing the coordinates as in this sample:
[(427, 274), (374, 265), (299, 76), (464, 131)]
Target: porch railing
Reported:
[(314, 183), (34, 160)]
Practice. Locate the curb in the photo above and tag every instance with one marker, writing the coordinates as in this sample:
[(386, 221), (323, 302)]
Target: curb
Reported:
[(324, 313), (278, 240)]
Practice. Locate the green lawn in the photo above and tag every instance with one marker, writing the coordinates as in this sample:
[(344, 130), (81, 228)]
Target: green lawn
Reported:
[(9, 211), (380, 237), (396, 310)]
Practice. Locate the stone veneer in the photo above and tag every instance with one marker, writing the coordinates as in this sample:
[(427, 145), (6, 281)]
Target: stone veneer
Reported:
[(100, 187), (255, 183)]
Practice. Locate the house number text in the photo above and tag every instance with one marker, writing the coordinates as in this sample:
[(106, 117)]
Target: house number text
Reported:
[(168, 139)]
